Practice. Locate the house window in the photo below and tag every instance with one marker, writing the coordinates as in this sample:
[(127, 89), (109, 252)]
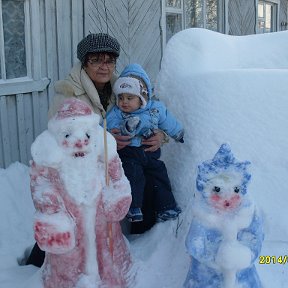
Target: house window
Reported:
[(205, 14), (20, 55), (267, 16), (12, 39), (174, 21), (181, 14)]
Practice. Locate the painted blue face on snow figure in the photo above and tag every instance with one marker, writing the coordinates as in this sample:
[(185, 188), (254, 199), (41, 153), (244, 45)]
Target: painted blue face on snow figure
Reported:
[(223, 162)]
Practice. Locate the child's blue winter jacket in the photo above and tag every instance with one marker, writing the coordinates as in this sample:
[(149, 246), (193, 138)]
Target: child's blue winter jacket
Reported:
[(143, 122)]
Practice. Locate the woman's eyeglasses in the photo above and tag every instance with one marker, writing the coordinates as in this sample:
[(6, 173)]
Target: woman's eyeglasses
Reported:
[(97, 62)]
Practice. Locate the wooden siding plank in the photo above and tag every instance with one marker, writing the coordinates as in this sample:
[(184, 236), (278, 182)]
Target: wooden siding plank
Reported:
[(43, 110), (1, 150), (152, 61), (50, 39), (13, 131), (77, 27), (63, 20), (35, 30), (2, 52), (5, 132), (36, 114), (21, 128), (29, 130)]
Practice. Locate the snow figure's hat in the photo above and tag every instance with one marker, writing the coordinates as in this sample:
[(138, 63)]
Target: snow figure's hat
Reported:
[(69, 110), (223, 161), (73, 107)]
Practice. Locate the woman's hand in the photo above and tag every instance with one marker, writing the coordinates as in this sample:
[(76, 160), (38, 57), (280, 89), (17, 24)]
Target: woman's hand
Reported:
[(122, 141), (155, 141)]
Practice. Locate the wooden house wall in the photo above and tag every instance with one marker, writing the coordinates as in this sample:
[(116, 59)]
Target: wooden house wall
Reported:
[(241, 17), (57, 28), (135, 24)]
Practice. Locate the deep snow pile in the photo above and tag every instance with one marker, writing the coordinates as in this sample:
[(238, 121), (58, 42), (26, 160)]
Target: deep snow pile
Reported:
[(230, 91), (16, 213)]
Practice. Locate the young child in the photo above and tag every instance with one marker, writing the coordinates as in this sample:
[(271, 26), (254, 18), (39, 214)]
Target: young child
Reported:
[(137, 115)]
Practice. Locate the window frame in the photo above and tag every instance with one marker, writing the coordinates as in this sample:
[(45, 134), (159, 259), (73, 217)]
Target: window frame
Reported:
[(173, 10), (222, 17), (276, 24), (33, 81)]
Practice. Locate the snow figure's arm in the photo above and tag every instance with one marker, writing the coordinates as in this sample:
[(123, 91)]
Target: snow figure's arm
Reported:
[(243, 251), (54, 229), (202, 243), (45, 150), (54, 233), (43, 182), (169, 124), (117, 195), (253, 236)]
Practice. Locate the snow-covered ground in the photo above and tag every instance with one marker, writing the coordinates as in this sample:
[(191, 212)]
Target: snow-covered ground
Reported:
[(223, 89)]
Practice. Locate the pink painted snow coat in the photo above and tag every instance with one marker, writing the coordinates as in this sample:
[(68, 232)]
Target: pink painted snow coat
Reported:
[(84, 244)]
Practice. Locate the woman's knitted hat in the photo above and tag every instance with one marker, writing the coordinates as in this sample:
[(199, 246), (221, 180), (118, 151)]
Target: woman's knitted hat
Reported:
[(131, 86), (95, 43)]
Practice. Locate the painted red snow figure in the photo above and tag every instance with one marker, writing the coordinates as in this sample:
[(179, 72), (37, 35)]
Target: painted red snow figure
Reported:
[(77, 218)]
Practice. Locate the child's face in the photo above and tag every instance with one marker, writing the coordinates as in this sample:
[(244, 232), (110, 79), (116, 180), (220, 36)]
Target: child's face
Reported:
[(128, 103)]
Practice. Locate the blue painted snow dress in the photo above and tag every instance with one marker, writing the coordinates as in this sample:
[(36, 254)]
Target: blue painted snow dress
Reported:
[(226, 231)]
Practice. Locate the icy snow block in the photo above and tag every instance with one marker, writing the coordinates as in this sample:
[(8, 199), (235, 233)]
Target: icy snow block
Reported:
[(229, 89), (225, 235)]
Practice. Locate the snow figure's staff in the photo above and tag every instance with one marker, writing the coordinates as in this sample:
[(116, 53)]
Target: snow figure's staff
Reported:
[(107, 182)]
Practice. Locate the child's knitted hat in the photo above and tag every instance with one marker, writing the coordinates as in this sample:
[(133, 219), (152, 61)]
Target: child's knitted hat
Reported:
[(135, 70), (132, 86)]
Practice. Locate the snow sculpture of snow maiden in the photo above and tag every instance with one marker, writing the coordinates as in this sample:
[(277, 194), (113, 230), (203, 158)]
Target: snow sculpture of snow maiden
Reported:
[(226, 233), (77, 214)]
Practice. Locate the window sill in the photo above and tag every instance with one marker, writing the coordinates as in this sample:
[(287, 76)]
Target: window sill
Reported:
[(22, 85)]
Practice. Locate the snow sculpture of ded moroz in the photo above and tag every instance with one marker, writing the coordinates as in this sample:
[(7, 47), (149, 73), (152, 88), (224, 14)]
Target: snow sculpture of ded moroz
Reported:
[(77, 214), (226, 231)]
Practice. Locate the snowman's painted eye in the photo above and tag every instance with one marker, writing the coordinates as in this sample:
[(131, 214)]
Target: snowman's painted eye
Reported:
[(236, 189), (87, 135), (67, 135), (216, 189)]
